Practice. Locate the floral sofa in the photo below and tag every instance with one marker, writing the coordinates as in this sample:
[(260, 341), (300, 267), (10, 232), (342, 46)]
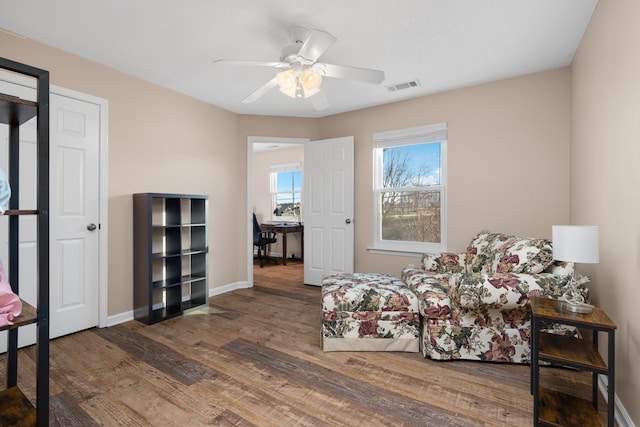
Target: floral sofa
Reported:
[(474, 305)]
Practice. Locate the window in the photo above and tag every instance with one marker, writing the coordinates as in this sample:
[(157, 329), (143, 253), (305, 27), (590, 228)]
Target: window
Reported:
[(286, 191), (409, 186)]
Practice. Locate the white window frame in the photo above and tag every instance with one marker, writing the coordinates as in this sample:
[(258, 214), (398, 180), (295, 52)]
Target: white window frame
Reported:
[(273, 173), (409, 136)]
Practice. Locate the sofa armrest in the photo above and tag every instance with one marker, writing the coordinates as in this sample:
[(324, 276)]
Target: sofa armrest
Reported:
[(505, 291), (432, 290), (445, 262)]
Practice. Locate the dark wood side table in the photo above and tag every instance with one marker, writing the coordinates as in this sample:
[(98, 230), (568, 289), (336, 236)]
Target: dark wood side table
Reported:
[(559, 409)]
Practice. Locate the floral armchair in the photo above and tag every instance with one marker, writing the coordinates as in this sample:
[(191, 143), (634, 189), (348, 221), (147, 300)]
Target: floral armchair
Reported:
[(474, 305)]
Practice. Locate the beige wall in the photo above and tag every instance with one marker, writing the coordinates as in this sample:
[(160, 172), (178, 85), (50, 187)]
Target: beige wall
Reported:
[(508, 156), (605, 178)]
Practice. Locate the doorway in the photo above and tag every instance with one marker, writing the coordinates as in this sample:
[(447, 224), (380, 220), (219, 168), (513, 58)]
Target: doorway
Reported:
[(265, 215)]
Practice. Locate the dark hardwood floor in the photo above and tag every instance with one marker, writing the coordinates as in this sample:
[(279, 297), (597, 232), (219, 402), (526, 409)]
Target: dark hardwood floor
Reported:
[(253, 358)]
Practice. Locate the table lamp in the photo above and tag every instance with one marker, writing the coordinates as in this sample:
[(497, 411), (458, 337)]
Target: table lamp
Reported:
[(577, 244)]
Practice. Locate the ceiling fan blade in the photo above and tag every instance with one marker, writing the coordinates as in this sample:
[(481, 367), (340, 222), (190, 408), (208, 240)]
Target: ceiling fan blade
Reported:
[(316, 44), (273, 83), (351, 73), (252, 63)]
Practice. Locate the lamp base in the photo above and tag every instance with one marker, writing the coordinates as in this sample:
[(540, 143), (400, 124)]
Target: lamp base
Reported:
[(577, 307)]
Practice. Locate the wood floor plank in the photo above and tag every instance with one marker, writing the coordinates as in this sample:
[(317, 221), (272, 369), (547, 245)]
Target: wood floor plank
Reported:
[(64, 410), (107, 411), (284, 391), (160, 356), (406, 411), (254, 402), (446, 390)]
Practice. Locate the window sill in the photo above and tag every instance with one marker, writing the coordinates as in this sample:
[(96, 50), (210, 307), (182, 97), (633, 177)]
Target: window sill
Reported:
[(396, 252)]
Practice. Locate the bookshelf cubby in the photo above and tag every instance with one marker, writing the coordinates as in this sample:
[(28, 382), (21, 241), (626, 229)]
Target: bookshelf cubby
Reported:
[(170, 254)]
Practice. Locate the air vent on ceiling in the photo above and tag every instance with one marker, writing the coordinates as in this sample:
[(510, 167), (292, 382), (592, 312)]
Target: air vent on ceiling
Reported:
[(405, 85)]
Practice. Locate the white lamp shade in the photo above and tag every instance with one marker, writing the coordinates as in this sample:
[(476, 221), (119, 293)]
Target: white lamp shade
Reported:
[(287, 82), (575, 243), (311, 80)]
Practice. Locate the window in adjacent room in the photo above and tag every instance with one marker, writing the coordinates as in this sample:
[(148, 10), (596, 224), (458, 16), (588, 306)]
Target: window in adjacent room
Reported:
[(286, 192), (410, 189)]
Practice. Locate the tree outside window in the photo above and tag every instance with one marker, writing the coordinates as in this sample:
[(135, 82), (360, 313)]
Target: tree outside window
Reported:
[(410, 190)]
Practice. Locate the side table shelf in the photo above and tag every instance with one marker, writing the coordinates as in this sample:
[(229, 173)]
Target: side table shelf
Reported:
[(552, 407), (16, 409), (29, 315)]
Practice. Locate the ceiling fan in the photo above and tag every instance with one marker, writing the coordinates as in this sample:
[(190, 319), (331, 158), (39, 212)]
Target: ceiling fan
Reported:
[(301, 73)]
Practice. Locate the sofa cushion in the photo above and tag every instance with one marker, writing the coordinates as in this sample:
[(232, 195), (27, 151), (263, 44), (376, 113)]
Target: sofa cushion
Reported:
[(482, 251), (503, 291), (366, 292), (523, 255), (445, 262), (496, 252), (432, 290)]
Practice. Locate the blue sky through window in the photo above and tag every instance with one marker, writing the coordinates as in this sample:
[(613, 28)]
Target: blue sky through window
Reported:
[(289, 181), (289, 192), (424, 160)]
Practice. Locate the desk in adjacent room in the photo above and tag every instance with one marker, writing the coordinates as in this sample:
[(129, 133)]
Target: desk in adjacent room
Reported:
[(283, 229)]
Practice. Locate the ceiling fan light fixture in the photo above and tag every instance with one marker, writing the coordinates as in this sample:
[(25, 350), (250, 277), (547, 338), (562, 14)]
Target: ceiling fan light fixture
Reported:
[(301, 85)]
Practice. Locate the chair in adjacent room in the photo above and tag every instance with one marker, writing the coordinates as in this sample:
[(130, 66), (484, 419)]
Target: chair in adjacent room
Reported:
[(261, 239)]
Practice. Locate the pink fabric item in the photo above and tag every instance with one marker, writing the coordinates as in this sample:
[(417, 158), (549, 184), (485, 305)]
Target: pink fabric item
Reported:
[(10, 304)]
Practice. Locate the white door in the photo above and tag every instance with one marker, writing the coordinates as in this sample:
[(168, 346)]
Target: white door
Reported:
[(74, 232), (74, 191), (328, 208)]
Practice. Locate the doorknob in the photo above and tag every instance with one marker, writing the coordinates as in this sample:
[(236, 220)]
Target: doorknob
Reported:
[(91, 227), (348, 221)]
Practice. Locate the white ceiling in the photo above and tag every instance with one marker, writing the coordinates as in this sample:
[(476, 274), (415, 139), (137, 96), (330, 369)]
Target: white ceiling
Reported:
[(444, 44)]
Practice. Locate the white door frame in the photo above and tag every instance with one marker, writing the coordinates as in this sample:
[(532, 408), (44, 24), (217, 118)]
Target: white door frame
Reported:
[(250, 141), (103, 150)]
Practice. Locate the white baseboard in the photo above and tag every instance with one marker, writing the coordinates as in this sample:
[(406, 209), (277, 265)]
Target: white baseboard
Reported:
[(228, 288), (119, 318), (128, 315), (621, 415)]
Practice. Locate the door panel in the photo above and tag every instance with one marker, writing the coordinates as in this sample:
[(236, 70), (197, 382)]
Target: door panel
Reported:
[(328, 208)]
